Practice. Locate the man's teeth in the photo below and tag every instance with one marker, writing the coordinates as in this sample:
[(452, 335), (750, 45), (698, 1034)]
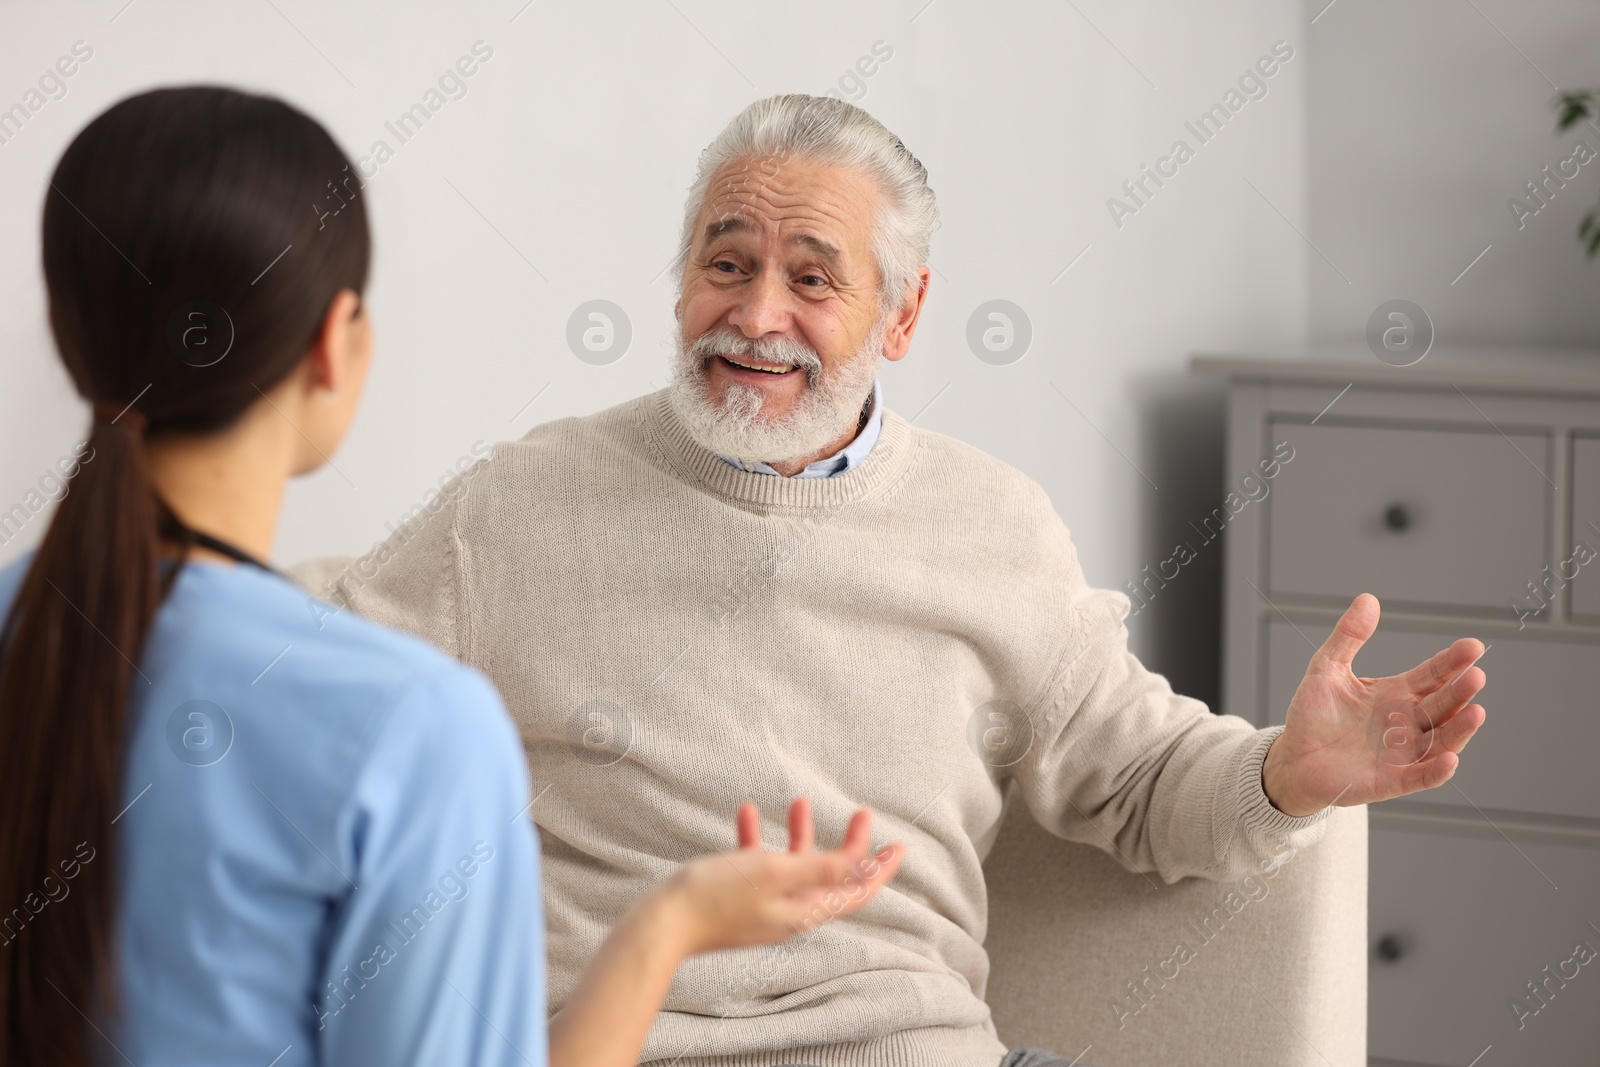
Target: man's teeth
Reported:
[(752, 366)]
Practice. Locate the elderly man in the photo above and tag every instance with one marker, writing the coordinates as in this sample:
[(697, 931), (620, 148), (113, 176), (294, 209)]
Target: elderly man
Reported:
[(760, 582)]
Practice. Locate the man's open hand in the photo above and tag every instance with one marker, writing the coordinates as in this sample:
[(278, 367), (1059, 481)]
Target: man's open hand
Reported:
[(1352, 740)]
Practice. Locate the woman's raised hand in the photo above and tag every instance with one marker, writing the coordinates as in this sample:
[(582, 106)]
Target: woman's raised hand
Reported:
[(751, 896), (725, 900)]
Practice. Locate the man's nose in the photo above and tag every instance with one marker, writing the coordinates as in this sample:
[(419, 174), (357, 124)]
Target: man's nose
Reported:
[(764, 307)]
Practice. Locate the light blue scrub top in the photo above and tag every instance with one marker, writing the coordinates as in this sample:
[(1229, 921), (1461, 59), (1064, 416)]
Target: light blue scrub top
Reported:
[(325, 856)]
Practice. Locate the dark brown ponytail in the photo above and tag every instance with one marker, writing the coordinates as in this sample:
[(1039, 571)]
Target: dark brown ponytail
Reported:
[(171, 204)]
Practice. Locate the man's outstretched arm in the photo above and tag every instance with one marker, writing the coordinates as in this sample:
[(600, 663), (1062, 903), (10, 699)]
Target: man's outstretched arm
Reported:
[(1120, 761)]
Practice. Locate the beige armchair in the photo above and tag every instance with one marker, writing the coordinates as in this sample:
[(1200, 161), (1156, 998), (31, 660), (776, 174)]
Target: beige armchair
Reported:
[(1277, 976)]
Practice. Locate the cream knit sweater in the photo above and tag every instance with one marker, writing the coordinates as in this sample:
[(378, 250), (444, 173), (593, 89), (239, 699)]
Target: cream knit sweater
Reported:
[(674, 636)]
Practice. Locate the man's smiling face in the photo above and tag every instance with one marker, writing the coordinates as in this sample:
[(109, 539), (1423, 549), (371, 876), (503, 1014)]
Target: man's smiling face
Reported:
[(781, 319), (782, 250)]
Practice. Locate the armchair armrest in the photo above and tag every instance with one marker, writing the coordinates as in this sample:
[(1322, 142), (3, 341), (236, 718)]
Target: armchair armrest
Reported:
[(1084, 953)]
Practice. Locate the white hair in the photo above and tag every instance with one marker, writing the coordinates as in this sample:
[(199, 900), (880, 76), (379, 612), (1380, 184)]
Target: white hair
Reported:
[(830, 132)]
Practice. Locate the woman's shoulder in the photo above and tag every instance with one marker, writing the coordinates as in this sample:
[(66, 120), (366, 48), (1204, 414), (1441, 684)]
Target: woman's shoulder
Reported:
[(299, 642), (282, 663), (257, 605), (348, 709)]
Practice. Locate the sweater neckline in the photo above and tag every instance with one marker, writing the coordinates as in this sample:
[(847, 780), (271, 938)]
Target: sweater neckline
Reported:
[(889, 458)]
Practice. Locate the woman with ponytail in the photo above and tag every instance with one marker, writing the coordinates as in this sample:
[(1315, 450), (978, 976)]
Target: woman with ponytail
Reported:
[(234, 830)]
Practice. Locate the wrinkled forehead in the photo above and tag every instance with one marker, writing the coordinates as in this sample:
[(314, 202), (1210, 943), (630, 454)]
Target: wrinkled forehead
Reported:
[(782, 200)]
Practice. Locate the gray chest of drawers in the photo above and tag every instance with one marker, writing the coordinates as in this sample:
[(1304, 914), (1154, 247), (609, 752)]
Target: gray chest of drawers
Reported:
[(1464, 492)]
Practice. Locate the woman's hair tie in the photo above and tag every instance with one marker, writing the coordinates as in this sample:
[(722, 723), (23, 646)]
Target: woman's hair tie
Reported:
[(128, 416)]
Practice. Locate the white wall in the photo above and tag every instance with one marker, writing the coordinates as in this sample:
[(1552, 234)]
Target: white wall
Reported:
[(1425, 119), (578, 141)]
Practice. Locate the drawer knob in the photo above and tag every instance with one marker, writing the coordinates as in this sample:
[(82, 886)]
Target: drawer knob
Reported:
[(1397, 518), (1391, 947)]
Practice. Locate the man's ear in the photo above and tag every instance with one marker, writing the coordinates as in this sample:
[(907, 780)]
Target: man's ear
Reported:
[(897, 341), (338, 344)]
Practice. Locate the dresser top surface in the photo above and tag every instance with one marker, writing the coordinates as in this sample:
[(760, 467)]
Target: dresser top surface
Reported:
[(1484, 368)]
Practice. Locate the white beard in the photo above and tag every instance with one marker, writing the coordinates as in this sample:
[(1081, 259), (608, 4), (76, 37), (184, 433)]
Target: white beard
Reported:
[(829, 409)]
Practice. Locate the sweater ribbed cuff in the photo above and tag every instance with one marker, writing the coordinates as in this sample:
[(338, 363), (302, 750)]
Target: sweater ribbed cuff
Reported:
[(1256, 811)]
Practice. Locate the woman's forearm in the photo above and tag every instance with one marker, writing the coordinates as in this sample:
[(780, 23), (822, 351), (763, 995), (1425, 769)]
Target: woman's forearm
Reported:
[(606, 1020)]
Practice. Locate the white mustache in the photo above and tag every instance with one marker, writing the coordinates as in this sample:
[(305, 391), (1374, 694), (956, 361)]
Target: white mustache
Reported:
[(785, 350)]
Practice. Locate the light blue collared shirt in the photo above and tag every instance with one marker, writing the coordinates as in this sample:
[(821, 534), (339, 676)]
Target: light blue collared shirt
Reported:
[(844, 459)]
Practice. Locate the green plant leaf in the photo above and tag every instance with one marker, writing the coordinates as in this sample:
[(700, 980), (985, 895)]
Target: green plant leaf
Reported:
[(1575, 106)]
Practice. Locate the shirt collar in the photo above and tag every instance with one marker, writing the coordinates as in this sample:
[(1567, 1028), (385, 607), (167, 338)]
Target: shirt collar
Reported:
[(847, 457)]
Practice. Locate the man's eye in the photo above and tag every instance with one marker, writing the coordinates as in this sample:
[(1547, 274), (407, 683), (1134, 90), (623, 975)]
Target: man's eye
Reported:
[(721, 263), (808, 280)]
